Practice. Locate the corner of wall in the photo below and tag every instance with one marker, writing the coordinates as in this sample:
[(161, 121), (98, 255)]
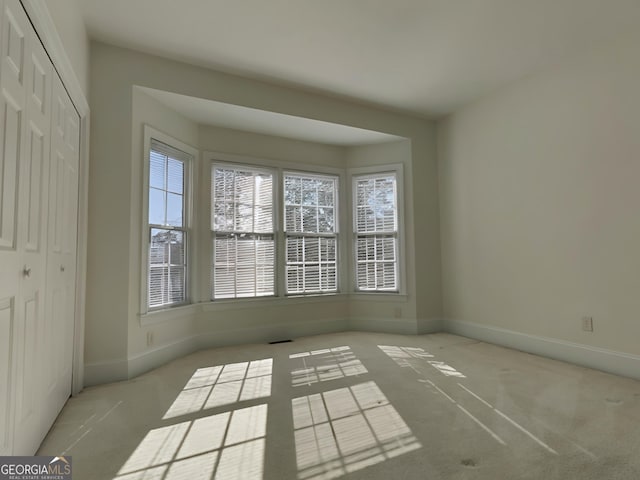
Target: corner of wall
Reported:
[(430, 325)]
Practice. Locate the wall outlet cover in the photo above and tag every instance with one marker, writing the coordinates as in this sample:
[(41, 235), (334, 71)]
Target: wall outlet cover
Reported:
[(587, 324)]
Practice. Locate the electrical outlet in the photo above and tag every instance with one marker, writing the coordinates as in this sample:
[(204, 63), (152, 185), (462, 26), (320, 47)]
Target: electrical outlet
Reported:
[(397, 312), (149, 339), (587, 324)]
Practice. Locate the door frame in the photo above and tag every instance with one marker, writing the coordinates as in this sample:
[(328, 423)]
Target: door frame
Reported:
[(43, 23)]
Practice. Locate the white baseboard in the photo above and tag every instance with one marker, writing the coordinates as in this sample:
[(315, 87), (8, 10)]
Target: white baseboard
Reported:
[(611, 361), (270, 333), (151, 359), (145, 361), (430, 325), (104, 372), (114, 371), (401, 326)]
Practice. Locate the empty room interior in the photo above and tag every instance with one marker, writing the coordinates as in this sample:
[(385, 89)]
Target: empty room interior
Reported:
[(294, 240)]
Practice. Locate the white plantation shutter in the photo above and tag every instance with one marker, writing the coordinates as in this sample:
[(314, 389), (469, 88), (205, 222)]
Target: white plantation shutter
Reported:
[(310, 204), (376, 232), (167, 267), (243, 232)]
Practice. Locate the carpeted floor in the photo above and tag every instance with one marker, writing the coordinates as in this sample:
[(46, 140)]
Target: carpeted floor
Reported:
[(356, 406)]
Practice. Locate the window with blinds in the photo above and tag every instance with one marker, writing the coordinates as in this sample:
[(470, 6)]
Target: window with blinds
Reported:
[(310, 211), (242, 224), (167, 268), (376, 232)]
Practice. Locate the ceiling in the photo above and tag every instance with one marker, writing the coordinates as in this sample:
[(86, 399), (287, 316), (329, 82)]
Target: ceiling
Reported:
[(237, 117), (426, 57)]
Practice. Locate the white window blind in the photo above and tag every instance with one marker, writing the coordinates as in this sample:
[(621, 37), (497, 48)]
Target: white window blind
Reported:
[(242, 223), (310, 204), (376, 232), (167, 268)]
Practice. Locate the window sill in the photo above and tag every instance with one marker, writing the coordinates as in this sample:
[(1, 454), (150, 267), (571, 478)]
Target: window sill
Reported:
[(241, 303), (174, 313), (379, 297)]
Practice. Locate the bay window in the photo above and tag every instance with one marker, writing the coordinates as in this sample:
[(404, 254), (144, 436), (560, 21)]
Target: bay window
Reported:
[(274, 230)]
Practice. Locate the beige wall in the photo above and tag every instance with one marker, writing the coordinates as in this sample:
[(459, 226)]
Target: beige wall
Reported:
[(70, 27), (110, 200), (115, 339), (539, 203)]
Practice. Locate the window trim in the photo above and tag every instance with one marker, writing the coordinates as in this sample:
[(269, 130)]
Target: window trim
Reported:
[(336, 234), (212, 233), (190, 219), (354, 173), (279, 167)]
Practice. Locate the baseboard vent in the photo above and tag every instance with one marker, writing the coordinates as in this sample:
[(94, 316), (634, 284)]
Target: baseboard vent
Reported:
[(280, 341)]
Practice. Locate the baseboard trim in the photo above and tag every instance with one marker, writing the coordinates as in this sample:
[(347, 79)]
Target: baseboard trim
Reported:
[(610, 361), (98, 373), (270, 333), (146, 361), (400, 326), (430, 325), (137, 364)]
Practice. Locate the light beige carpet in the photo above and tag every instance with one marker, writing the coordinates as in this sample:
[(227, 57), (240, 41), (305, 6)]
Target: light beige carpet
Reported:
[(356, 405)]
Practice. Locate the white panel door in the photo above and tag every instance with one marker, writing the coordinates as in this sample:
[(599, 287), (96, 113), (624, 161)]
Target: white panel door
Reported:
[(31, 426), (39, 145), (29, 342), (13, 28), (9, 257), (62, 242)]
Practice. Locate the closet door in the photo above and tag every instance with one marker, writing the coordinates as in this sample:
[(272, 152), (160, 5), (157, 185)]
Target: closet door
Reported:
[(11, 109), (38, 227), (62, 242), (30, 343), (19, 301), (39, 145)]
